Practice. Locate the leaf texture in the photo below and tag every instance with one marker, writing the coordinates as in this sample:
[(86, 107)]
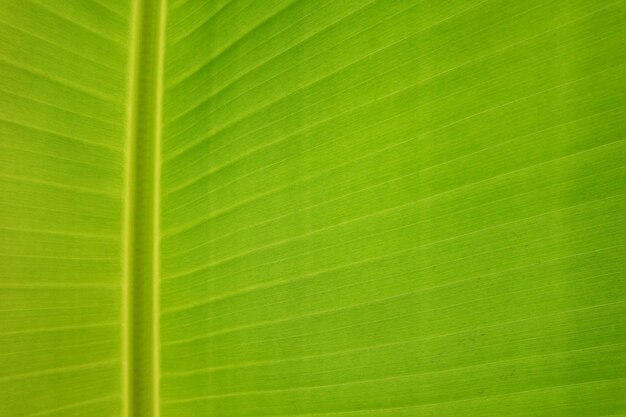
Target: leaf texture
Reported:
[(363, 208), (63, 68)]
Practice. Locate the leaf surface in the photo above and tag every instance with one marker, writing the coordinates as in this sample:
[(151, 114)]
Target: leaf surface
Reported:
[(312, 208)]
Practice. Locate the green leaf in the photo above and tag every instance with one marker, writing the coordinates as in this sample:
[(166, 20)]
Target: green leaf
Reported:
[(239, 208)]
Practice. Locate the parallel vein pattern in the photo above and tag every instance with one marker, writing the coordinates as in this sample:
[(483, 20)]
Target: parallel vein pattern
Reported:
[(62, 129), (376, 208), (355, 208)]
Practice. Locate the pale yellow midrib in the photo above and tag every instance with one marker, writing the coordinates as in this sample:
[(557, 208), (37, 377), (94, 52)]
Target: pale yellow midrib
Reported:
[(131, 101), (135, 40), (156, 289)]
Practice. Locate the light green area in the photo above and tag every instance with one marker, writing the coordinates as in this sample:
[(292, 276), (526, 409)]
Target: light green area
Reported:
[(390, 208), (63, 75)]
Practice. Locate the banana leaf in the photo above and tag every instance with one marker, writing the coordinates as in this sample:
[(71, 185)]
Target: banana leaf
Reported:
[(312, 208)]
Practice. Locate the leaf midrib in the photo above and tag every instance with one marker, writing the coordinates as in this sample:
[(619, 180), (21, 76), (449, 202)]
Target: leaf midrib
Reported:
[(140, 384)]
